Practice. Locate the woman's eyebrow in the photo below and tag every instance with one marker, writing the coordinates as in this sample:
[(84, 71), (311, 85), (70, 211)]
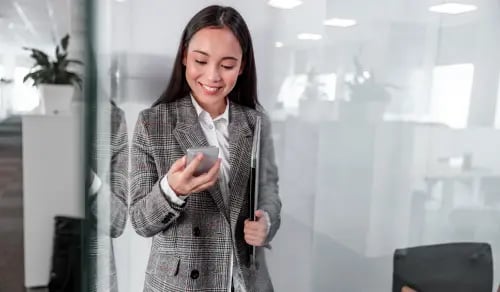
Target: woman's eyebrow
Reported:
[(224, 58)]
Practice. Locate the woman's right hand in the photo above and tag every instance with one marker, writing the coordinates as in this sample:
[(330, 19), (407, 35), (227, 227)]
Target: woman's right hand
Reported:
[(181, 177)]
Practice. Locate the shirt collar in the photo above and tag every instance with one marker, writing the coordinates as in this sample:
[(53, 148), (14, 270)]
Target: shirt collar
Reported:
[(200, 111)]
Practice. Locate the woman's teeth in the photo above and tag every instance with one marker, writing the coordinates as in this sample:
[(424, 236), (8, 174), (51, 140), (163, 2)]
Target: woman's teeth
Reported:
[(209, 88)]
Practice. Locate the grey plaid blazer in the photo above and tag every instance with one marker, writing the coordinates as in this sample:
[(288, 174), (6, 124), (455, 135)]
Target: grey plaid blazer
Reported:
[(191, 248), (111, 149)]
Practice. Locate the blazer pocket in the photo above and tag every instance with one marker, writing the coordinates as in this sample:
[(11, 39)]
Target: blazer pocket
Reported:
[(163, 265)]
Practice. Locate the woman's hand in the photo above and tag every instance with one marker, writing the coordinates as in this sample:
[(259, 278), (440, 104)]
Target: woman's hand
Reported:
[(182, 180), (256, 231)]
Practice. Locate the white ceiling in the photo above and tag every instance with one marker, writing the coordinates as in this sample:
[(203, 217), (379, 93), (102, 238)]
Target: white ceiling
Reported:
[(32, 22), (40, 22)]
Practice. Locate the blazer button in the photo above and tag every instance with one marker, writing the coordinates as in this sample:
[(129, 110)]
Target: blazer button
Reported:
[(195, 274), (196, 231), (167, 218)]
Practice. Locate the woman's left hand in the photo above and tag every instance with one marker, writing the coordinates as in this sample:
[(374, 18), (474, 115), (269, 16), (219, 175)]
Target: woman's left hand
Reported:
[(256, 231)]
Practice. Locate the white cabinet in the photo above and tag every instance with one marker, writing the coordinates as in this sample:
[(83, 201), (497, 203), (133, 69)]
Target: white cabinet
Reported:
[(53, 185)]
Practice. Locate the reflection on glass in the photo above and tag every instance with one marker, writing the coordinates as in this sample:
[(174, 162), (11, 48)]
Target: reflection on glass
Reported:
[(107, 182), (362, 174)]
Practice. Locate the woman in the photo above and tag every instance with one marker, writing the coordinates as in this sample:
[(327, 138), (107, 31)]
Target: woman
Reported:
[(199, 223)]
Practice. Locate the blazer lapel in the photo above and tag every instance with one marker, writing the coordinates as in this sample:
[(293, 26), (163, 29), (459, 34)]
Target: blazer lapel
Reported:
[(240, 148), (189, 134)]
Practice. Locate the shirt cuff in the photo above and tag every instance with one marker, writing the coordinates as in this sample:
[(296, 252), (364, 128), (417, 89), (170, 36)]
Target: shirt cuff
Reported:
[(268, 220), (169, 192), (96, 185)]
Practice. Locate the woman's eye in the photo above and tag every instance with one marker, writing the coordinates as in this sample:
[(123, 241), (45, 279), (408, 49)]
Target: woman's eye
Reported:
[(227, 67), (200, 62)]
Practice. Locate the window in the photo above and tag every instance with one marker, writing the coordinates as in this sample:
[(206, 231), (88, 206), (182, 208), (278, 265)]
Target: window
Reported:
[(293, 87), (450, 94)]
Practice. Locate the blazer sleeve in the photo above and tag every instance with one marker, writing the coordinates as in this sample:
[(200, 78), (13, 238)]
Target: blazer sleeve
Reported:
[(269, 199), (150, 211), (119, 173), (112, 195)]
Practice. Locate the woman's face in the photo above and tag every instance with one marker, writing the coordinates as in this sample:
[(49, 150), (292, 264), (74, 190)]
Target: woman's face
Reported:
[(213, 61)]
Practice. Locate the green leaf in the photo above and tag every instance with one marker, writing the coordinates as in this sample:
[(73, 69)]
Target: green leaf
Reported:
[(58, 53), (40, 57), (75, 79), (39, 76), (65, 42), (62, 56), (53, 71), (63, 64), (58, 67), (28, 76)]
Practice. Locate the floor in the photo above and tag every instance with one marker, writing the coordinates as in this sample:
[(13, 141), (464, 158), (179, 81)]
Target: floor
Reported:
[(11, 211)]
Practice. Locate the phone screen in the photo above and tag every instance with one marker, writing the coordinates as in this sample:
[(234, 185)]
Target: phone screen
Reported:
[(210, 155)]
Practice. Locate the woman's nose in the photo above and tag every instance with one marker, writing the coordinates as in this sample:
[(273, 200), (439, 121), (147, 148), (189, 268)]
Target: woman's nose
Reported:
[(214, 74)]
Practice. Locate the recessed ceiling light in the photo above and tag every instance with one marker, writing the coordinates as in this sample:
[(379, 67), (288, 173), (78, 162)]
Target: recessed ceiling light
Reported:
[(452, 8), (284, 4), (340, 22), (278, 44), (309, 36)]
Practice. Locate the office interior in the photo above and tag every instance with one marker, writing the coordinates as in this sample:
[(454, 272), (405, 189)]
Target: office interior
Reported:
[(385, 115)]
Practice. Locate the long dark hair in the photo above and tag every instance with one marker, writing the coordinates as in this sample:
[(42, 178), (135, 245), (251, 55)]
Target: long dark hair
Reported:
[(245, 90)]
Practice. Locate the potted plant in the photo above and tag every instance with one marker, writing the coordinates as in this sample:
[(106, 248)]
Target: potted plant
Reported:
[(368, 99), (314, 105), (55, 83)]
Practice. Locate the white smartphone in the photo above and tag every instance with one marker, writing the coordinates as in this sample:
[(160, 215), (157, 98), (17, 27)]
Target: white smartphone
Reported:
[(210, 155)]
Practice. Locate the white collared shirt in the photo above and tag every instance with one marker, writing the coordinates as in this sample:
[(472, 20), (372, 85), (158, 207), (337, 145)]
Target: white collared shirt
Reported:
[(217, 134)]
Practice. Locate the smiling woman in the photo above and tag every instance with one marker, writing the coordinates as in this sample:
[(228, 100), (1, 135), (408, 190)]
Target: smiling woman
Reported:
[(200, 223), (223, 48), (213, 64)]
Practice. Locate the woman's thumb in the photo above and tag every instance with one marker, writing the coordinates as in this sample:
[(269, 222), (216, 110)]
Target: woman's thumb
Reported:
[(259, 213), (179, 164)]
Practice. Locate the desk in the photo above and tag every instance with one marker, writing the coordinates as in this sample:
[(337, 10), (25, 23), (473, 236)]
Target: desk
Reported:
[(472, 178)]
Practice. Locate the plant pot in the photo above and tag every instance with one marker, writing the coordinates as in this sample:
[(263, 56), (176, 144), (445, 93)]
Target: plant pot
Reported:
[(364, 112), (56, 98)]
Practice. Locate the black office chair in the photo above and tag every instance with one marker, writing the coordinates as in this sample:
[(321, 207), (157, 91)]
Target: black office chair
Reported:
[(452, 267)]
